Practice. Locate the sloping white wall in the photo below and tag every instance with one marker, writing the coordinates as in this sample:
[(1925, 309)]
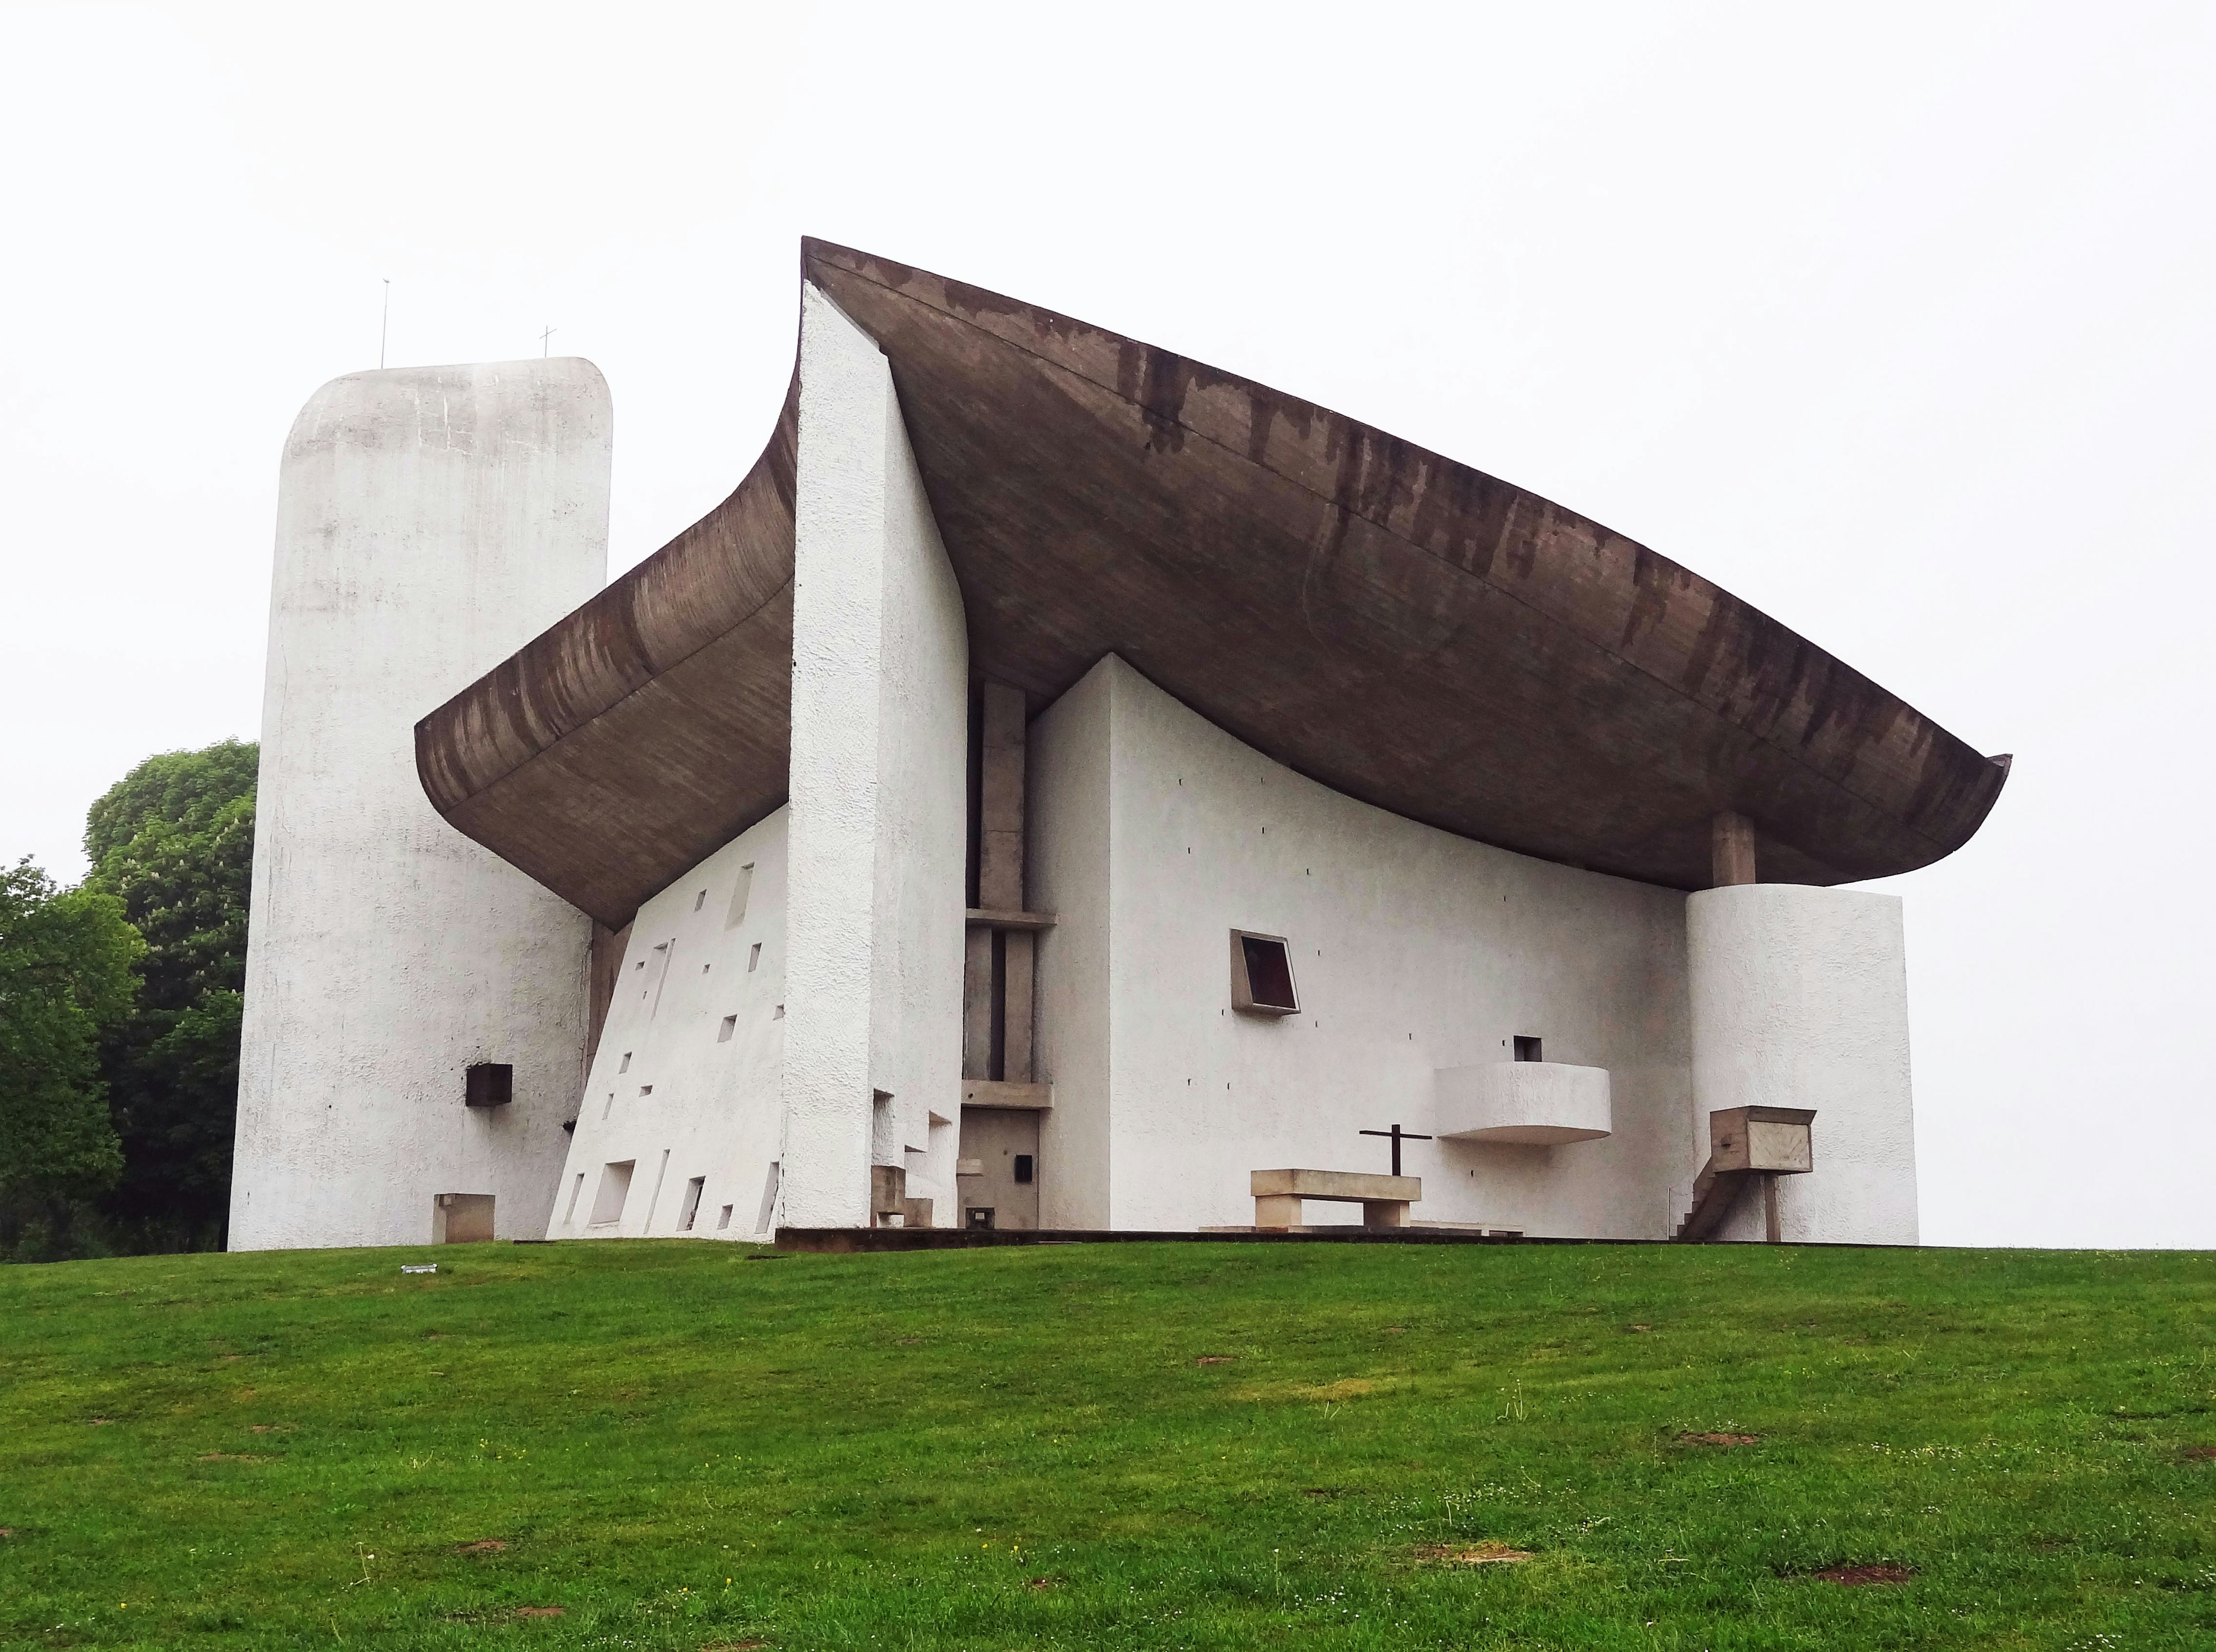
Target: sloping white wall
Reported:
[(667, 1078), (1413, 949), (1799, 998), (430, 521), (879, 826)]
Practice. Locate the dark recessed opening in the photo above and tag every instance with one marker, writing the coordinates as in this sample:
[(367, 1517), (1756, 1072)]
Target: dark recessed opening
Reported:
[(1269, 974), (1527, 1048), (490, 1084), (978, 1216), (1022, 1167)]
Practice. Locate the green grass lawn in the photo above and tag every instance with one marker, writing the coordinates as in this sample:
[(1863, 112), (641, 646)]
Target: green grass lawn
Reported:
[(685, 1445)]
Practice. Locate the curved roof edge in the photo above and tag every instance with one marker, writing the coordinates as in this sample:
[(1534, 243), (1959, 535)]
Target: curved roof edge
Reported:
[(1402, 628)]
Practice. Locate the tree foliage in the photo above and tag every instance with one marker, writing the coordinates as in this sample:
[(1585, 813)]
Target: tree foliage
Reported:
[(68, 963), (173, 841)]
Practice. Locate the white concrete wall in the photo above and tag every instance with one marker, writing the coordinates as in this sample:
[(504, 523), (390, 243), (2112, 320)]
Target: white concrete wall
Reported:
[(1799, 998), (879, 832), (1066, 858), (1413, 949), (430, 522), (667, 1079)]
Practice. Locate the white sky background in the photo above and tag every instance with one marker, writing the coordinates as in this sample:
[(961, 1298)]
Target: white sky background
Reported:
[(1894, 320)]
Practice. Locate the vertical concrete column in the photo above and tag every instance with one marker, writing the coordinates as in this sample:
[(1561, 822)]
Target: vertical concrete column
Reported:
[(1799, 998), (879, 823), (430, 521), (999, 974)]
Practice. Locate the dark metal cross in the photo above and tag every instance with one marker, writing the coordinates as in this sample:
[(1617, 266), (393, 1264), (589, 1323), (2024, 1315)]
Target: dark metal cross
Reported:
[(1398, 1135)]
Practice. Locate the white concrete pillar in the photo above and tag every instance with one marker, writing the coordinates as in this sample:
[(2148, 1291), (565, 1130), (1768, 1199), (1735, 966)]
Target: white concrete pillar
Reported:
[(1799, 998), (430, 521), (879, 826)]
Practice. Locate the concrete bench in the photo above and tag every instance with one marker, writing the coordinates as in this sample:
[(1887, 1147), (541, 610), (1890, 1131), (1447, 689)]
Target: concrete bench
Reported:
[(1384, 1199)]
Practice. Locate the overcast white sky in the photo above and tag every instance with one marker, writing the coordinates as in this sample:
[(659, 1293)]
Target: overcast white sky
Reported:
[(1894, 320)]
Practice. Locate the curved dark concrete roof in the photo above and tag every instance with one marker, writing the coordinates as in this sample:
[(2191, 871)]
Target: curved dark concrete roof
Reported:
[(1399, 627)]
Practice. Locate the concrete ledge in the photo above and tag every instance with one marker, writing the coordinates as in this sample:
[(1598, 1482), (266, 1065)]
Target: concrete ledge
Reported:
[(1334, 1184), (993, 1092), (1524, 1103)]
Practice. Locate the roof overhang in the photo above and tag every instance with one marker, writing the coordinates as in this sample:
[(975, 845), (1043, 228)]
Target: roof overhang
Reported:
[(1399, 627)]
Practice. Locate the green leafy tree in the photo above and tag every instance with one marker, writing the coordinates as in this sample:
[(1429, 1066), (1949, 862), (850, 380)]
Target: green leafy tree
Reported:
[(173, 841), (67, 977)]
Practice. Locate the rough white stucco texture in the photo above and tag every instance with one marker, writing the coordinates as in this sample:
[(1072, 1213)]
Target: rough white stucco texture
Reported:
[(879, 825), (430, 521), (691, 1056), (1799, 998), (1154, 834)]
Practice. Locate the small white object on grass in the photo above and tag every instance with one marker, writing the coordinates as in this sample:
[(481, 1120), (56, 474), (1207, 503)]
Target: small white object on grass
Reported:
[(418, 1267)]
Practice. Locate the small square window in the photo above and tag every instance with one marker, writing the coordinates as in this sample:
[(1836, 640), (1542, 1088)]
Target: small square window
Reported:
[(490, 1084), (1527, 1048), (1262, 975), (646, 1089), (730, 1025)]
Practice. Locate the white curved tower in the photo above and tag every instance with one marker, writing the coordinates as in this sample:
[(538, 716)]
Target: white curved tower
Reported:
[(1800, 1000), (430, 521)]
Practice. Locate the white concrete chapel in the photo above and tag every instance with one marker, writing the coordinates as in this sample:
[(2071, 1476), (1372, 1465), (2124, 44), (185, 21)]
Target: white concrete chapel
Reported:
[(1065, 787)]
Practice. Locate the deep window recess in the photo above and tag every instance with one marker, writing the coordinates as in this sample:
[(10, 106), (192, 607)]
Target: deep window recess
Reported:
[(1262, 975), (1023, 1168), (615, 1189), (724, 1220), (490, 1084), (699, 900), (691, 1207), (977, 1216), (730, 1025), (746, 886), (1527, 1048)]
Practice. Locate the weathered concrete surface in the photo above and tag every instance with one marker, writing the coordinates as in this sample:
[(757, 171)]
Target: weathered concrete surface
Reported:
[(1405, 629), (879, 860), (1800, 1000), (430, 520)]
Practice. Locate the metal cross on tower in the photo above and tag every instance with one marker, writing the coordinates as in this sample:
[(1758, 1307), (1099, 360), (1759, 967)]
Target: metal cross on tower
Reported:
[(546, 335), (1397, 1135)]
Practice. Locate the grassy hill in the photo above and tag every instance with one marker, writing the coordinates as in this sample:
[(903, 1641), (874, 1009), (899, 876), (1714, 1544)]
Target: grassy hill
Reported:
[(684, 1445)]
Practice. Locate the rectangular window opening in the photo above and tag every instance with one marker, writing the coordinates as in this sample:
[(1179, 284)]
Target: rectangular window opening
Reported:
[(488, 1083), (625, 1066), (1023, 1168), (1262, 975), (723, 1219), (690, 1208), (646, 1089), (699, 900), (1527, 1048), (730, 1025), (608, 1106), (754, 957), (576, 1187), (739, 896), (615, 1189)]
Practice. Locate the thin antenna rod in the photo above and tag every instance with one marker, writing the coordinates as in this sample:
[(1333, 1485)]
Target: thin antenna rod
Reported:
[(542, 337), (384, 322)]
